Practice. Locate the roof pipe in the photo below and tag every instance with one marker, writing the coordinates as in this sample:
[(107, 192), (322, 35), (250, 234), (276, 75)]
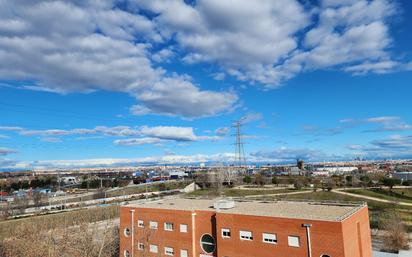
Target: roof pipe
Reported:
[(308, 226)]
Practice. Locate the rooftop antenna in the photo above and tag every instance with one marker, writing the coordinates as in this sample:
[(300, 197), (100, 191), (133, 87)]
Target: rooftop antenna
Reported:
[(240, 159)]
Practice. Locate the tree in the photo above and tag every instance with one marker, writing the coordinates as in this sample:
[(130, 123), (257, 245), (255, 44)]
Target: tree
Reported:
[(259, 179), (349, 180), (407, 183), (298, 184), (390, 182), (275, 181), (247, 179), (365, 180), (37, 197), (395, 237)]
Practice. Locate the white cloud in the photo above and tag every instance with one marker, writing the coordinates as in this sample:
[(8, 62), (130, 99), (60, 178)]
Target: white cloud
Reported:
[(163, 55), (141, 135), (219, 76), (169, 133), (265, 42), (7, 151), (95, 46), (138, 141), (251, 117), (51, 139), (395, 146), (178, 96), (285, 154), (224, 131), (9, 128), (379, 67), (383, 119)]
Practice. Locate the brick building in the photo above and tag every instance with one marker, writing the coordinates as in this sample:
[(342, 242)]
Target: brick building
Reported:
[(189, 227)]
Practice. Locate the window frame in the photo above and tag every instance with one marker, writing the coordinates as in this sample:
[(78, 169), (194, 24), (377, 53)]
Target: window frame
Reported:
[(226, 230), (140, 223), (246, 238), (127, 232), (126, 253), (140, 246), (151, 225), (291, 237), (152, 246), (269, 234), (169, 251), (184, 251), (184, 226), (166, 224)]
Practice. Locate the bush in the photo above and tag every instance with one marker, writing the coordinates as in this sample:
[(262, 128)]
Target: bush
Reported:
[(407, 183), (247, 179)]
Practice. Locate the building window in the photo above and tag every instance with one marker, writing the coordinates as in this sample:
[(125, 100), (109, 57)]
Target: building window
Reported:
[(293, 241), (140, 223), (183, 253), (168, 226), (225, 232), (169, 251), (140, 246), (246, 235), (183, 228), (126, 253), (269, 238), (126, 232), (324, 255), (153, 248), (153, 224), (207, 242)]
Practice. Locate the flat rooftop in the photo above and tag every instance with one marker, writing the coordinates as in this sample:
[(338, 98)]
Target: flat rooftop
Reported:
[(281, 209)]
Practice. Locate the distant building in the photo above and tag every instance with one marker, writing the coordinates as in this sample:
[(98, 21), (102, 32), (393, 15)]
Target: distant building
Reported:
[(189, 227), (404, 176), (337, 170)]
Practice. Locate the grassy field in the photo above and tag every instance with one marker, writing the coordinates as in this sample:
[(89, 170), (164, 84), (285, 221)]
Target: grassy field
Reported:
[(376, 209), (397, 195), (231, 192)]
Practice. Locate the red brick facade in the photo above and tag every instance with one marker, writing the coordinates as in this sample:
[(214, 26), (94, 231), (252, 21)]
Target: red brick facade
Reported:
[(347, 238)]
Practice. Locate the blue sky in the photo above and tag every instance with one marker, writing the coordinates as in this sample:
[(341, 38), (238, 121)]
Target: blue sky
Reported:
[(86, 83)]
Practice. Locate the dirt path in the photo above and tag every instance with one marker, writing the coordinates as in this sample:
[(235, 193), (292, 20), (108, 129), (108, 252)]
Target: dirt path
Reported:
[(371, 198)]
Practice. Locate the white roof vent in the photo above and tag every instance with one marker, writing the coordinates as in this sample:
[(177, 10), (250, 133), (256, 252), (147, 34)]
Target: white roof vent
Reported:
[(224, 204)]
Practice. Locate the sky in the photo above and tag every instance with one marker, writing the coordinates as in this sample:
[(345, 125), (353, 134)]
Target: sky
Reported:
[(127, 82)]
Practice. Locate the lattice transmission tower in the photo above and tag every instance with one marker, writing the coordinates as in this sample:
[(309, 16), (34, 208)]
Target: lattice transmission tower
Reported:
[(240, 159)]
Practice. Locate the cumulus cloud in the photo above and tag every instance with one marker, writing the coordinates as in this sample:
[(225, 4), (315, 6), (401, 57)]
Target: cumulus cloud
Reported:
[(178, 96), (268, 42), (84, 46)]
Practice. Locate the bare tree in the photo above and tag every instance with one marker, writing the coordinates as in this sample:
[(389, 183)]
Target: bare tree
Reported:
[(395, 237), (85, 239)]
